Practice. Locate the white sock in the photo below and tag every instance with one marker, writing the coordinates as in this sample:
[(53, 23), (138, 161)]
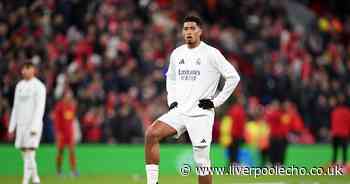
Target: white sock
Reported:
[(152, 171), (26, 168), (30, 168), (33, 166)]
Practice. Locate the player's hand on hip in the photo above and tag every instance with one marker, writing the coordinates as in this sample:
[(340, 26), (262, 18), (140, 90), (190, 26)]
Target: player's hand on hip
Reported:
[(32, 133), (206, 104), (172, 105)]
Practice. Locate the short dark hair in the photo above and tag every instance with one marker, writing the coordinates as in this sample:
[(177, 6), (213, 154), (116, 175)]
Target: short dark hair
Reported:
[(193, 18), (28, 64)]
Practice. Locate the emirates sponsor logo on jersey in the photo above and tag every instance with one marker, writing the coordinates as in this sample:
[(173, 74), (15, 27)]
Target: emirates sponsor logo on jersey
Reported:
[(188, 75)]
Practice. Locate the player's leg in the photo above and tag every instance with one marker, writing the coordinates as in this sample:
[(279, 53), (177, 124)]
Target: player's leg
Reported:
[(26, 168), (28, 144), (35, 175), (30, 166), (20, 144), (280, 151), (335, 149), (59, 154), (345, 150), (156, 132), (230, 153), (205, 179), (235, 150), (72, 159), (276, 151), (284, 150), (59, 160), (201, 155), (272, 151), (264, 157), (200, 131)]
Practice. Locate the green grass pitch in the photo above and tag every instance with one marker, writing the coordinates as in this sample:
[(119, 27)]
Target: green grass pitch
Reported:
[(183, 180), (124, 164)]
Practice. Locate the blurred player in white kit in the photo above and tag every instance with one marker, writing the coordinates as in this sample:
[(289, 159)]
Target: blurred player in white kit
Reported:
[(27, 119), (192, 80)]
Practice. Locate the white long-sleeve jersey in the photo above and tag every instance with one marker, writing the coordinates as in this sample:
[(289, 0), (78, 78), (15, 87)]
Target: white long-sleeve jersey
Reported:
[(194, 74), (29, 106)]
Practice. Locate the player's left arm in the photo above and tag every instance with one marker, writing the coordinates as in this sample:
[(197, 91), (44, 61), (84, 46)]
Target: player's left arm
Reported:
[(40, 99), (230, 74)]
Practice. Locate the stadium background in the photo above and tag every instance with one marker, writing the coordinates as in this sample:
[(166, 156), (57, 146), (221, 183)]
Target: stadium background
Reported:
[(113, 55)]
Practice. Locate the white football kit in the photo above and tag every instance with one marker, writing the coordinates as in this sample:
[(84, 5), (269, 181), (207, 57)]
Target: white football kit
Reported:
[(27, 113), (194, 74)]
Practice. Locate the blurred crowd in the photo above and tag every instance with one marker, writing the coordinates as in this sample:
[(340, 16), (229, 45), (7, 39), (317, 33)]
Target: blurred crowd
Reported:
[(113, 55)]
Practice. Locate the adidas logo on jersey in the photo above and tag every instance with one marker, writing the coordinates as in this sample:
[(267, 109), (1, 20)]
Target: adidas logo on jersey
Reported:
[(182, 62), (203, 141)]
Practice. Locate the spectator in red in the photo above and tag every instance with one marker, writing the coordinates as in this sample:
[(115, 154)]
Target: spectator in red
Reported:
[(340, 125), (4, 119), (238, 116), (64, 116), (278, 133), (92, 122), (291, 118)]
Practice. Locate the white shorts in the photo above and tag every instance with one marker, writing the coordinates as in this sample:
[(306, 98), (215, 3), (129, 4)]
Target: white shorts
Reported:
[(199, 128), (25, 140)]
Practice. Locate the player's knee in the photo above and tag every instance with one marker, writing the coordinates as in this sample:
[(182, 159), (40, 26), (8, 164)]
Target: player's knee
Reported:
[(71, 152), (201, 156), (152, 134), (29, 162)]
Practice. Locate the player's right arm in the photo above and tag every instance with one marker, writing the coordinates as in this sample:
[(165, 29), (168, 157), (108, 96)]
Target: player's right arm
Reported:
[(13, 119), (171, 81)]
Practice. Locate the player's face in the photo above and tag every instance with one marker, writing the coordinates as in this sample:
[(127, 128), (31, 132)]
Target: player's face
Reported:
[(191, 33), (28, 72)]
